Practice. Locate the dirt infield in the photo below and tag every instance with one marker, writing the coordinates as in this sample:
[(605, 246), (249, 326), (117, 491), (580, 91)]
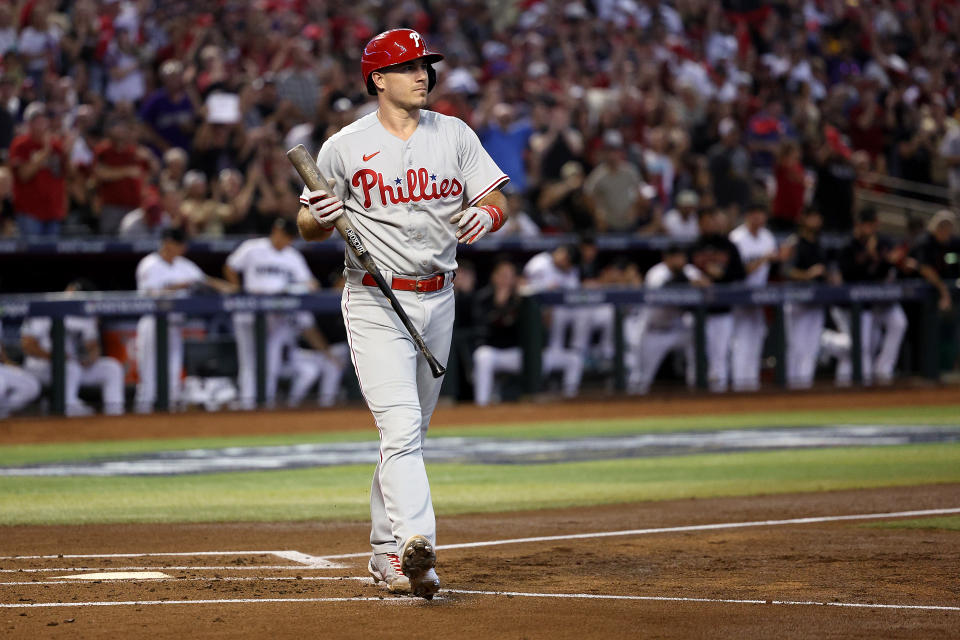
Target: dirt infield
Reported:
[(200, 424), (755, 581)]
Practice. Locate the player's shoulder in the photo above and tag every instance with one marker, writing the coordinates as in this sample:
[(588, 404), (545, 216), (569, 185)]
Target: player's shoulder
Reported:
[(441, 122), (148, 261), (357, 127)]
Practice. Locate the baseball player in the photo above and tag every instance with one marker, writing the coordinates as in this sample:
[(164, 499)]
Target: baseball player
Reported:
[(166, 271), (17, 387), (804, 322), (323, 362), (662, 329), (758, 250), (870, 258), (497, 310), (415, 183), (719, 260), (268, 266), (84, 364)]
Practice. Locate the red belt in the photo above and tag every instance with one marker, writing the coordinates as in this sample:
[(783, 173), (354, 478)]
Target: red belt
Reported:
[(422, 285)]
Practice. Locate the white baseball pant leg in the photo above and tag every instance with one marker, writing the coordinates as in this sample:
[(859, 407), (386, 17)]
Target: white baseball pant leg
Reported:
[(147, 363), (243, 332), (590, 319), (749, 332), (402, 393), (303, 369), (280, 332), (487, 362), (331, 375), (562, 318), (890, 321), (719, 330), (570, 363), (43, 371), (17, 389), (844, 375), (106, 373), (804, 324), (654, 347)]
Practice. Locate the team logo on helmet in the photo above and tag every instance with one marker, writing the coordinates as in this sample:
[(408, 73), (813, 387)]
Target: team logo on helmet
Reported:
[(394, 47)]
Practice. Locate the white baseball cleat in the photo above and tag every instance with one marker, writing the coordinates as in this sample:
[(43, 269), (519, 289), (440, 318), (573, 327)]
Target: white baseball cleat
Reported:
[(385, 567), (417, 560)]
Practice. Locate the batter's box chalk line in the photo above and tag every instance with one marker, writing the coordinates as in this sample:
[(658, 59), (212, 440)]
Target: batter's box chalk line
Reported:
[(309, 562)]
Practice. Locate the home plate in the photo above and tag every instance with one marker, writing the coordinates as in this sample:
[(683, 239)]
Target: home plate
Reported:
[(120, 575)]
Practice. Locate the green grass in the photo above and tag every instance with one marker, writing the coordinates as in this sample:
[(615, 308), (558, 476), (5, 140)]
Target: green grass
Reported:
[(948, 523), (341, 493), (949, 415)]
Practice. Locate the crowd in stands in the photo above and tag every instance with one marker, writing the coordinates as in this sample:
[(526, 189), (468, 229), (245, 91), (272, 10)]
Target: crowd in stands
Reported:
[(128, 116)]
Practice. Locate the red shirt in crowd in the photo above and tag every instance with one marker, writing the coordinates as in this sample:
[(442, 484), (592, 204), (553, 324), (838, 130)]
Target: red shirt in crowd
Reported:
[(43, 196), (124, 192), (788, 203)]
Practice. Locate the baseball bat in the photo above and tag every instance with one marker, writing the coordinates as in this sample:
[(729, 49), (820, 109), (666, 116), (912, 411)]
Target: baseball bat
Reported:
[(305, 165)]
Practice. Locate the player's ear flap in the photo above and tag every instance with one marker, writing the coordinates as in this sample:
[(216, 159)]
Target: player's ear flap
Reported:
[(431, 78)]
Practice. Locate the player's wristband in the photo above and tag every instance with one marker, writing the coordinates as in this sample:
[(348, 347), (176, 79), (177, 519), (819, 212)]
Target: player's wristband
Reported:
[(496, 214)]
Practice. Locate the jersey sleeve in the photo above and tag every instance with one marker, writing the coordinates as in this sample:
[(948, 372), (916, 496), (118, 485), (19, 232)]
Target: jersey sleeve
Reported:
[(88, 329), (331, 167), (36, 328), (192, 273), (301, 271), (240, 257), (143, 275), (480, 172)]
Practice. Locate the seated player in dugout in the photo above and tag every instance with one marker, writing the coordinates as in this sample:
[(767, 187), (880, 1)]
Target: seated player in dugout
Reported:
[(415, 183)]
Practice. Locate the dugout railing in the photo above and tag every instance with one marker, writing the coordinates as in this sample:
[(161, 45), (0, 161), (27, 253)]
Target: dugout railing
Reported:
[(697, 300)]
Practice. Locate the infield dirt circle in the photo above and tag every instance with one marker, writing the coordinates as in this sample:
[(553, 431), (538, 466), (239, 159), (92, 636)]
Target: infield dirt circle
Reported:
[(771, 580)]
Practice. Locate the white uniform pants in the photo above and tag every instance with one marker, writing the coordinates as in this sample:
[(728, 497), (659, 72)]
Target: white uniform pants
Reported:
[(147, 363), (402, 394), (719, 332), (749, 332), (106, 373), (804, 325), (488, 361), (281, 331), (562, 319), (17, 389), (306, 366), (654, 346), (881, 331), (586, 320)]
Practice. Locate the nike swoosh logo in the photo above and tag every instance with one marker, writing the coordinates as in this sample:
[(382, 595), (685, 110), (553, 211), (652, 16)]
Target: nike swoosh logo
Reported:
[(366, 158)]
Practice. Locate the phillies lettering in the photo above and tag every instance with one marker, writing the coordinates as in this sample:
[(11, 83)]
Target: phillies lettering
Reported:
[(419, 186)]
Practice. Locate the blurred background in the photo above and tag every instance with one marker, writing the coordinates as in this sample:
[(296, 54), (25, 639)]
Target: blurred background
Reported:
[(806, 150)]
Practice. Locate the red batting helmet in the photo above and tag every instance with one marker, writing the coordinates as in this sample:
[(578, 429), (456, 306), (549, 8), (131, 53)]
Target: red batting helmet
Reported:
[(395, 47)]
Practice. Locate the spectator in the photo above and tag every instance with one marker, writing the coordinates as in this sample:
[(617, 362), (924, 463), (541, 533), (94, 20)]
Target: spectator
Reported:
[(791, 184), (681, 223), (160, 211), (202, 214), (84, 366), (563, 203), (39, 41), (169, 113), (125, 79), (121, 168), (39, 162), (730, 169), (175, 162), (766, 132), (836, 178), (505, 137), (617, 194)]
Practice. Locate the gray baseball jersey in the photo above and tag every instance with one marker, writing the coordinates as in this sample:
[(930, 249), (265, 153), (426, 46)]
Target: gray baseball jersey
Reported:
[(400, 194)]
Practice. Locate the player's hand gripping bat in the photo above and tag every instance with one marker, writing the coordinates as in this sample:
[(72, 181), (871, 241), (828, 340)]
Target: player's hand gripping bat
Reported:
[(305, 165)]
